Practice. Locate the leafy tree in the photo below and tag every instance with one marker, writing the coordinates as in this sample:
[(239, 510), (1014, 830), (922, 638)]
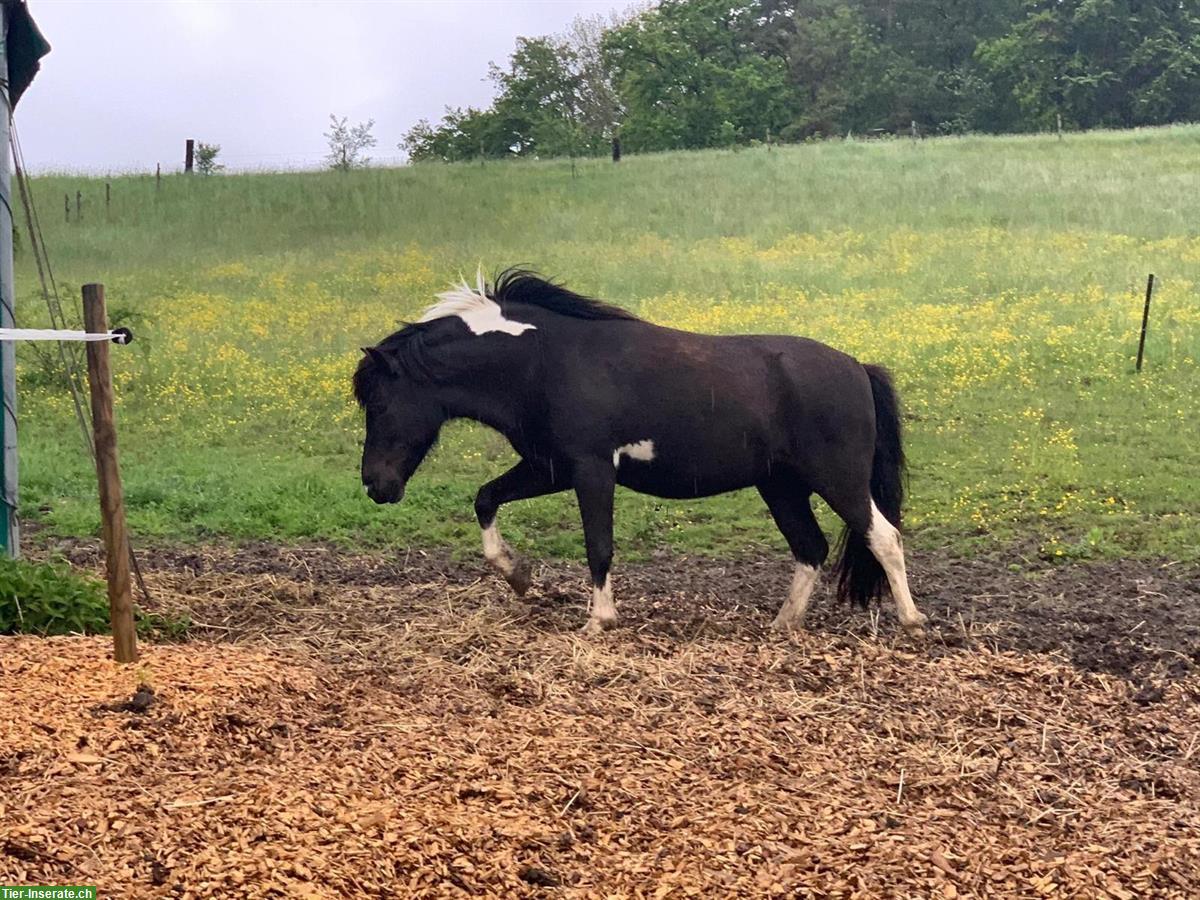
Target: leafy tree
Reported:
[(420, 141), (597, 98), (538, 109), (1100, 62), (704, 73), (685, 67), (347, 143), (555, 97), (461, 134), (206, 158), (835, 69)]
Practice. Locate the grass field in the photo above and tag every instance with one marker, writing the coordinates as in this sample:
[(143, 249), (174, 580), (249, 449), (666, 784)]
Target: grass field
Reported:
[(1000, 278)]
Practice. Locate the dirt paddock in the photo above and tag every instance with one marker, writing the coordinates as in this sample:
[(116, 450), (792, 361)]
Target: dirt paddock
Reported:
[(348, 726)]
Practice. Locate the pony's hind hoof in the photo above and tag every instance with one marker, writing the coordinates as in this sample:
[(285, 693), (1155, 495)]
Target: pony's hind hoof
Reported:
[(520, 579)]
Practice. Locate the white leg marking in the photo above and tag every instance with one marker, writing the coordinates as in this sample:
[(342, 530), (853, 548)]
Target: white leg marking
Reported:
[(642, 450), (791, 614), (884, 540), (603, 610), (498, 553)]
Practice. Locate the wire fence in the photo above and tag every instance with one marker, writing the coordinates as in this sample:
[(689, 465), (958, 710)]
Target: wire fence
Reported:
[(233, 164)]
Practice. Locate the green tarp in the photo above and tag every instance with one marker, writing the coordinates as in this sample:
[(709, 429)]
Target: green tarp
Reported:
[(25, 45)]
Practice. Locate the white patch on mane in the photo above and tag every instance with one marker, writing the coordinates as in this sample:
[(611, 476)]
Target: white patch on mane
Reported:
[(478, 311), (643, 450)]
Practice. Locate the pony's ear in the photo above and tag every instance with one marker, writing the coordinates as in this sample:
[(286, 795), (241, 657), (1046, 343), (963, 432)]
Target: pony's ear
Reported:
[(382, 359)]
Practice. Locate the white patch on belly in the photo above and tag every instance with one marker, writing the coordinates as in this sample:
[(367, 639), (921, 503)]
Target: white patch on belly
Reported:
[(642, 450)]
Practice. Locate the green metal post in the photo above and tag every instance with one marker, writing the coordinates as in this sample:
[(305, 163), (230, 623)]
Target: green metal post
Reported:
[(9, 531)]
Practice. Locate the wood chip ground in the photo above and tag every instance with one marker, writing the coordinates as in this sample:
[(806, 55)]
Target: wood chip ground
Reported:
[(465, 752)]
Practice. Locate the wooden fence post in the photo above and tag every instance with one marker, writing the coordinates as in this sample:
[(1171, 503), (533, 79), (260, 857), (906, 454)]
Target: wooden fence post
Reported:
[(79, 206), (157, 176), (67, 206), (189, 154), (112, 501), (1145, 320)]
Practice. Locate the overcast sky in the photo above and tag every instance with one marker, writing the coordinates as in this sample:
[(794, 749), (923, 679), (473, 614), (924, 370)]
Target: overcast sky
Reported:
[(127, 81)]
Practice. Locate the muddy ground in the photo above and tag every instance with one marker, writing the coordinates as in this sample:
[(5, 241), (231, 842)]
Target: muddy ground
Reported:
[(1137, 619)]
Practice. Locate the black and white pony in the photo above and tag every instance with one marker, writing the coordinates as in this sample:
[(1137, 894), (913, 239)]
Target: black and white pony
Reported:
[(590, 396)]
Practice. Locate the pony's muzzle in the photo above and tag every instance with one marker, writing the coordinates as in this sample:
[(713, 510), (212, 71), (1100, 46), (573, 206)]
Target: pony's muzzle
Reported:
[(390, 492)]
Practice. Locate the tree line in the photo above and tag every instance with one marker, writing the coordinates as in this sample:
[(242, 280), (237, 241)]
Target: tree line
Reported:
[(692, 74)]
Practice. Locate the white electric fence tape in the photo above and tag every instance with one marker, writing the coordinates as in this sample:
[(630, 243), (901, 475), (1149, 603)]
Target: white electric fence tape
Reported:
[(52, 334)]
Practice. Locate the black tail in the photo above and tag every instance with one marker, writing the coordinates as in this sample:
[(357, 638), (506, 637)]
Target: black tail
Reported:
[(861, 578)]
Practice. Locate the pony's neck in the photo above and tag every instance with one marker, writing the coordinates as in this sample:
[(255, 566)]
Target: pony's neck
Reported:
[(493, 407), (493, 389)]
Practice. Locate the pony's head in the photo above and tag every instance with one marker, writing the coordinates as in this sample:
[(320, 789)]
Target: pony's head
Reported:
[(412, 382), (403, 421)]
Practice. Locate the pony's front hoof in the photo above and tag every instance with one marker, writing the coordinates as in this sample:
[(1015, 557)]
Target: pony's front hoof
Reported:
[(916, 627), (520, 578), (596, 626)]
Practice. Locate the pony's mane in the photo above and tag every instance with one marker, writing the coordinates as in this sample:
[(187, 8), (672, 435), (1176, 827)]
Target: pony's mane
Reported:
[(518, 285), (512, 286), (523, 286)]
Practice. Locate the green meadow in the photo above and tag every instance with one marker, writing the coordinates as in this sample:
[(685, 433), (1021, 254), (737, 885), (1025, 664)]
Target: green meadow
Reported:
[(1000, 278)]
